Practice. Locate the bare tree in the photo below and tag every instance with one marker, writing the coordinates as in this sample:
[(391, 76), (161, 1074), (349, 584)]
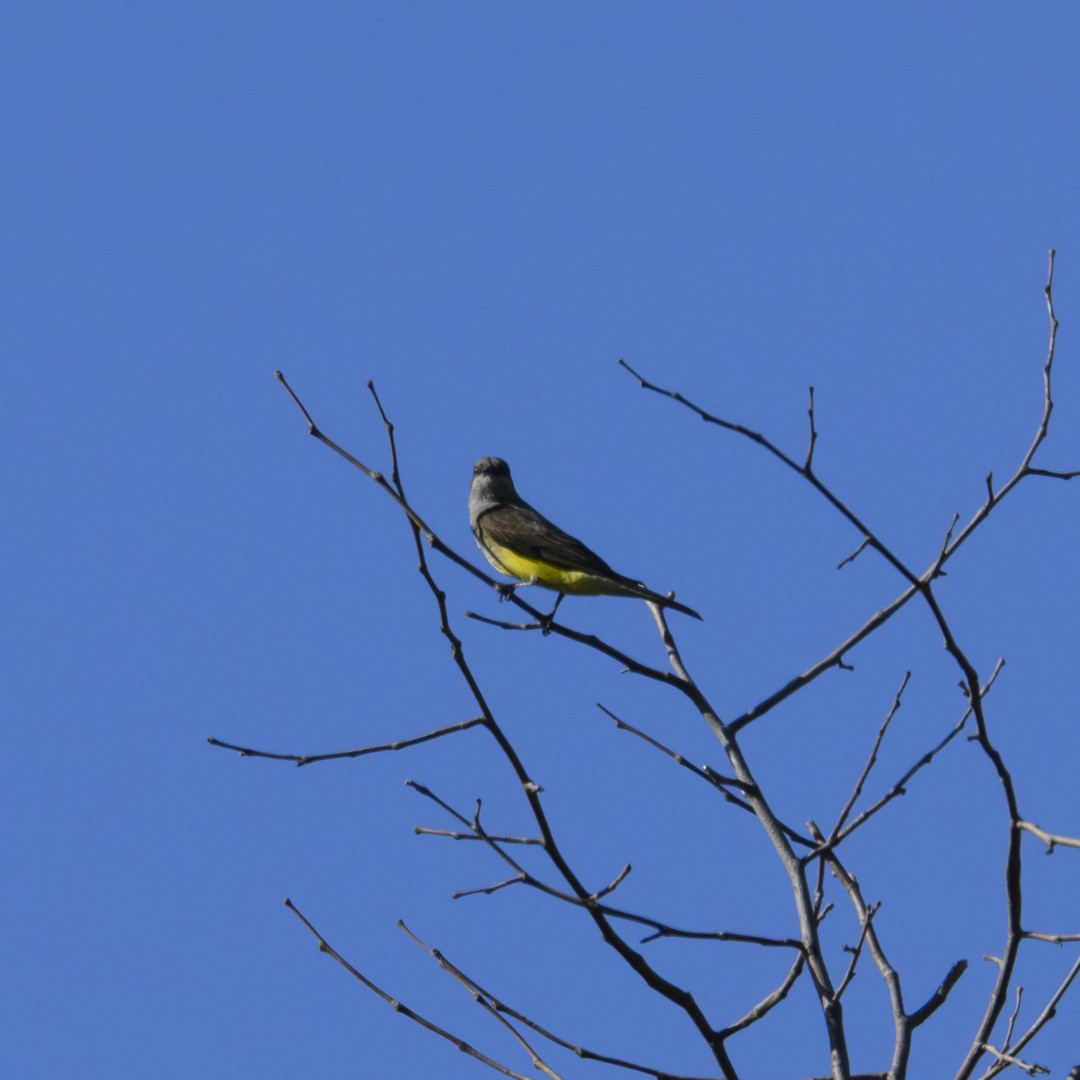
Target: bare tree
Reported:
[(809, 855)]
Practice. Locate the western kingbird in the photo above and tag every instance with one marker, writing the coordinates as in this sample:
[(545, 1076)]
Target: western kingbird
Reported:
[(520, 542)]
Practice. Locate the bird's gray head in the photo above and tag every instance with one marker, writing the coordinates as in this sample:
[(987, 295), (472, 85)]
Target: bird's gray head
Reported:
[(491, 486)]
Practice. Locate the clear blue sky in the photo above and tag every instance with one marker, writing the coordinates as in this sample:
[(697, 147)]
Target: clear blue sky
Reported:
[(481, 206)]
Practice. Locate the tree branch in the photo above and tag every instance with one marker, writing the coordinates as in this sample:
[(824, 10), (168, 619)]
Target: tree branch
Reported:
[(399, 1006), (310, 759)]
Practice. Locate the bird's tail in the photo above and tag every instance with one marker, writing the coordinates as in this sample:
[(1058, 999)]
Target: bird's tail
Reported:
[(665, 601), (675, 605)]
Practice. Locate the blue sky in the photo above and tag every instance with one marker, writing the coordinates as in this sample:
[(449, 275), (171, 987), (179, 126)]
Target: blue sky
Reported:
[(481, 207)]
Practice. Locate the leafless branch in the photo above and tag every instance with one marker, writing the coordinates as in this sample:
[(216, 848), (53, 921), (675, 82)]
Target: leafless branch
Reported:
[(871, 760), (1007, 1041), (421, 831), (488, 890), (705, 773), (310, 759), (612, 885), (523, 877), (681, 680), (903, 1022), (937, 998), (916, 584), (1005, 1060), (1051, 840), (855, 554), (399, 1006), (770, 1001), (741, 789), (676, 994), (485, 1002), (1047, 1014), (491, 1001), (871, 911), (808, 465), (1054, 475), (900, 787)]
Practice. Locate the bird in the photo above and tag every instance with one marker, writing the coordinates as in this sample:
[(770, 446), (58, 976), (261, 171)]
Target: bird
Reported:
[(520, 542)]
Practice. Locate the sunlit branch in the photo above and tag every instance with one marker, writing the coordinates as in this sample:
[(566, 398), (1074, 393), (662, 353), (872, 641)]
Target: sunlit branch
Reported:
[(485, 1002), (399, 1006), (1051, 840), (419, 830), (493, 1002), (1005, 1061), (1007, 1041), (1047, 1014), (902, 1041), (1053, 939)]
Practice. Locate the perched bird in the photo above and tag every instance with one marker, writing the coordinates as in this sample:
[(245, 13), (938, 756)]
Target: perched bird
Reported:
[(520, 542)]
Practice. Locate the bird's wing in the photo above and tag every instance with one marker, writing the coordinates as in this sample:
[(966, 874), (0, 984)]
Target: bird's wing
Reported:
[(528, 533)]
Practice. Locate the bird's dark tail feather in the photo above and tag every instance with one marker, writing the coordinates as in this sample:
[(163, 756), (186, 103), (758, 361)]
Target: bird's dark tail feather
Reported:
[(679, 607), (665, 601)]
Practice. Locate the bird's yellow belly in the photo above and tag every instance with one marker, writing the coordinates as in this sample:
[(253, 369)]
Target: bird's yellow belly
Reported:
[(541, 573)]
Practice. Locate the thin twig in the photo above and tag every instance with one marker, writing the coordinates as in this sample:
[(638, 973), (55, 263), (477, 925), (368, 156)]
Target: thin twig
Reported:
[(494, 1002), (1004, 1060), (871, 911), (900, 787), (770, 1001), (855, 554), (1007, 1041), (399, 1006), (706, 773), (310, 759), (902, 1027), (484, 1000), (523, 877), (871, 760), (1047, 1014), (420, 830)]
